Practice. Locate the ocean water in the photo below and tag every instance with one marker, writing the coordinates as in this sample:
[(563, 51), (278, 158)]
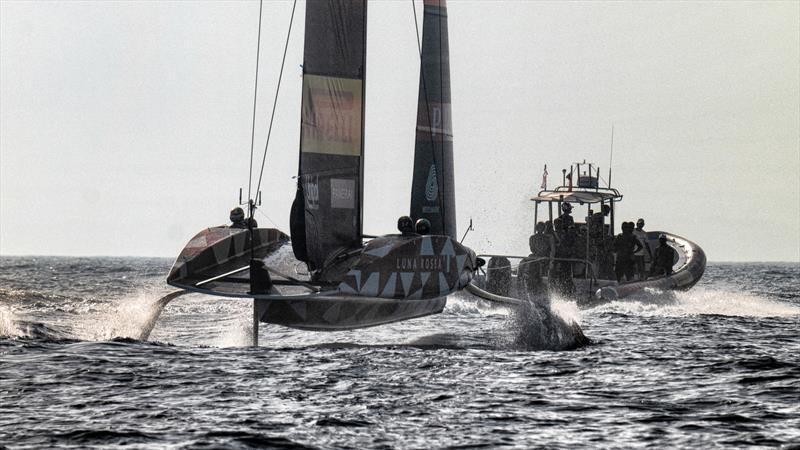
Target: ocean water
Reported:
[(717, 366)]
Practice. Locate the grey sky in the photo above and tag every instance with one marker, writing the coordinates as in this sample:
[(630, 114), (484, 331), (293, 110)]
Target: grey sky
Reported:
[(125, 126)]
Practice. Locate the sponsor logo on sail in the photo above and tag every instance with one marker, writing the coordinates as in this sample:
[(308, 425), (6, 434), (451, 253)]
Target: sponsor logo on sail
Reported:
[(436, 120), (311, 189), (343, 193), (331, 115), (432, 185)]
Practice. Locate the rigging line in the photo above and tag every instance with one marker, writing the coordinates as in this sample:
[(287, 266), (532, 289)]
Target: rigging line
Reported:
[(275, 101), (268, 218), (441, 102), (611, 156), (416, 27), (255, 99), (439, 198)]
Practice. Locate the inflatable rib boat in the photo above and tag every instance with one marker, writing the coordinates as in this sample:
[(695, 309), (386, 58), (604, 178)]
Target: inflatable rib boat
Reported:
[(585, 271)]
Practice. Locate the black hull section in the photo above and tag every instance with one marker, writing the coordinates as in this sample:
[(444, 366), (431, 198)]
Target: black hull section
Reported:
[(390, 279), (334, 313), (409, 267), (216, 251), (217, 262)]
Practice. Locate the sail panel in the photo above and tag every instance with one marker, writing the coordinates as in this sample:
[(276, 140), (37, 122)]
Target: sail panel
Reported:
[(335, 38), (332, 115), (433, 186), (326, 216)]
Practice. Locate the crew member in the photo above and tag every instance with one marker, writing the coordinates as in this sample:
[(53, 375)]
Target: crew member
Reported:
[(423, 226), (597, 223), (580, 253), (558, 226), (606, 257), (625, 245), (639, 256), (237, 218), (251, 222), (566, 217), (561, 273), (542, 246), (663, 258), (600, 244), (406, 226), (550, 230)]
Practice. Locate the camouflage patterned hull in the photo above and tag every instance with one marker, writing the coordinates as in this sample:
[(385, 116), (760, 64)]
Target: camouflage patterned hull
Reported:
[(216, 251), (390, 279), (409, 267), (331, 313)]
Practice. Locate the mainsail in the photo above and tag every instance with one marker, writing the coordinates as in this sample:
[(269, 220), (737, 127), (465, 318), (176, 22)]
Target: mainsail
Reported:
[(432, 191), (326, 215)]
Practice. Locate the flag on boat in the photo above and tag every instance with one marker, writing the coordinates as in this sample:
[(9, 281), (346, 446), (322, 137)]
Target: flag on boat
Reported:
[(544, 178)]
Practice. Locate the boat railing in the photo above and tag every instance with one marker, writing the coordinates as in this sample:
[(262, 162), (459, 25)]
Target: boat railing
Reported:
[(530, 260)]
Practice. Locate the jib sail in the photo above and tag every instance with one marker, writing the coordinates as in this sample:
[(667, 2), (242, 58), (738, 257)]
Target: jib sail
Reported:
[(432, 191), (326, 214)]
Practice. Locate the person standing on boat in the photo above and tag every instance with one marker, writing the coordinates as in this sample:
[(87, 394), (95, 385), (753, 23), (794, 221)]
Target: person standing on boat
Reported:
[(663, 258), (598, 222), (561, 273), (558, 226), (601, 245), (550, 230), (542, 246), (626, 245), (580, 268), (566, 217), (639, 256)]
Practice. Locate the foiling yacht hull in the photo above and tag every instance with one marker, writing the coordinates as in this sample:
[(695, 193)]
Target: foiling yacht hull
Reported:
[(333, 313), (391, 279)]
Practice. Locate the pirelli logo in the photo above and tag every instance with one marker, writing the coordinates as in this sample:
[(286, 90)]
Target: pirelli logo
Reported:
[(332, 113)]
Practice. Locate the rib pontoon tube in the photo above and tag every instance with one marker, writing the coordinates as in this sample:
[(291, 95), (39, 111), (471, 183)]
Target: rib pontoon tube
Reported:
[(686, 270)]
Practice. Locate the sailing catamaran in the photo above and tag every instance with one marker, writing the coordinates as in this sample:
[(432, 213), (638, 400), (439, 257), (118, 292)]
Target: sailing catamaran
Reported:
[(350, 283), (588, 268)]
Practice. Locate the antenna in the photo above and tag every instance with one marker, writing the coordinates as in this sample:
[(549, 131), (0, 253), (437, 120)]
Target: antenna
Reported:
[(611, 156), (240, 196), (469, 228)]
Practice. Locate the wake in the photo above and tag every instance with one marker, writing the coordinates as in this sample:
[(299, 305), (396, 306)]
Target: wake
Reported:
[(547, 322), (700, 301), (132, 317)]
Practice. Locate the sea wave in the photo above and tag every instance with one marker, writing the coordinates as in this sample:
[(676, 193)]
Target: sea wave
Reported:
[(701, 301)]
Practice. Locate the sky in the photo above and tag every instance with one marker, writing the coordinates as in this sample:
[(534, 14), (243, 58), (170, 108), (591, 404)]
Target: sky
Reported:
[(125, 126)]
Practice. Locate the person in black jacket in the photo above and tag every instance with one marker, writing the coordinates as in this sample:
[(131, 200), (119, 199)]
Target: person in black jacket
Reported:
[(406, 226), (237, 218), (663, 258), (625, 246)]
